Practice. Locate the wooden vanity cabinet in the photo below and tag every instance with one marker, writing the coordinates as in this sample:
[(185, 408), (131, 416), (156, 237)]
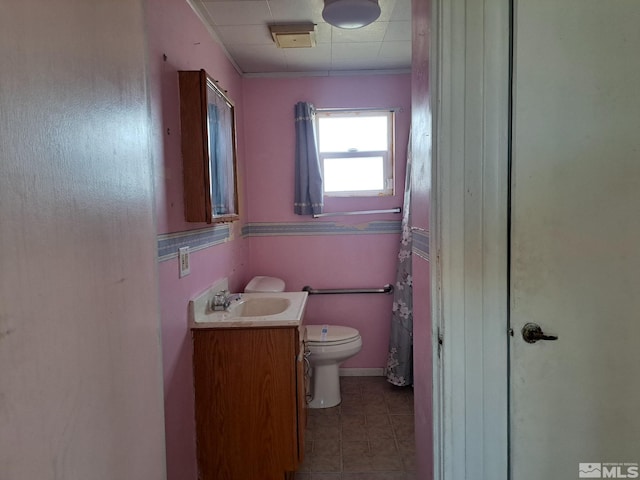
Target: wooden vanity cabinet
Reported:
[(249, 402)]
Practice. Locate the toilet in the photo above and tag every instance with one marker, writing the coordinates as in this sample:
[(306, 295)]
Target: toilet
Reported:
[(261, 284), (328, 347)]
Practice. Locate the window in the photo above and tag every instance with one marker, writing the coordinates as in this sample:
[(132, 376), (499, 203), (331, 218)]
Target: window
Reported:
[(356, 152)]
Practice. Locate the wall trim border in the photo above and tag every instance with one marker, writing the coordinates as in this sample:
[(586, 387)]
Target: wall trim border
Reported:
[(169, 243), (320, 228), (199, 239)]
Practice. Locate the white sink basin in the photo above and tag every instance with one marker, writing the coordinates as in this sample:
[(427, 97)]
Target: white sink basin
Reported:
[(259, 307), (251, 310)]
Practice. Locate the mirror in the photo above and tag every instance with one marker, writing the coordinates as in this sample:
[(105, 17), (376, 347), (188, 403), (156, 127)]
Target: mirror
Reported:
[(207, 118), (221, 128)]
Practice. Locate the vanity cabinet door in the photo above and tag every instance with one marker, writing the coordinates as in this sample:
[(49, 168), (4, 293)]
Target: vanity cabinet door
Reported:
[(246, 403)]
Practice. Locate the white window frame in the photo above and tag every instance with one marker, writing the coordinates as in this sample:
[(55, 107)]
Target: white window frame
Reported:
[(388, 156)]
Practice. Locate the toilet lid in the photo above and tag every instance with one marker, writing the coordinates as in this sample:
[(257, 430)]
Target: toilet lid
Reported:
[(332, 333)]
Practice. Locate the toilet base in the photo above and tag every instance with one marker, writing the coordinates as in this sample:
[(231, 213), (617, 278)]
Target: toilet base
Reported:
[(325, 386)]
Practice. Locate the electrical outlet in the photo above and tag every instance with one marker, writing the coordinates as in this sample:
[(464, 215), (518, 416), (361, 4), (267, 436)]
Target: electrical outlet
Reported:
[(185, 265)]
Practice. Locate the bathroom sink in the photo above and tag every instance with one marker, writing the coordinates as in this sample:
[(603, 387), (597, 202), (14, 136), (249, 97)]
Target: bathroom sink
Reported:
[(250, 310), (259, 307)]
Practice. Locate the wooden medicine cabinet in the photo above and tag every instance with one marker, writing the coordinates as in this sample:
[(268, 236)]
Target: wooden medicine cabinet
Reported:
[(207, 124)]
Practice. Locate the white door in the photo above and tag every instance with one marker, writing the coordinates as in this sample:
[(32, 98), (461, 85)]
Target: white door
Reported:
[(575, 245)]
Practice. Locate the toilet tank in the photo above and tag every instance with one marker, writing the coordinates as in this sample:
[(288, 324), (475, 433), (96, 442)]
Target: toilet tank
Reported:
[(265, 284)]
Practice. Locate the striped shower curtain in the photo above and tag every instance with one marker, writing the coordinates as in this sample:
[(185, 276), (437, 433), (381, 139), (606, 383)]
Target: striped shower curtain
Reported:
[(399, 370)]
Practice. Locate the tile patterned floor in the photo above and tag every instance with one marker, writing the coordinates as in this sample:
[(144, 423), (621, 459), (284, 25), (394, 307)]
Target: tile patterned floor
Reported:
[(369, 436)]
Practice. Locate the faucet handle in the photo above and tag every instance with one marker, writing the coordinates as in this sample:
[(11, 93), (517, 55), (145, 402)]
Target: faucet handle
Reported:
[(219, 300)]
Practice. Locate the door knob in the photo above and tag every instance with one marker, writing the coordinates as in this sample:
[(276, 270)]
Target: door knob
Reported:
[(532, 332)]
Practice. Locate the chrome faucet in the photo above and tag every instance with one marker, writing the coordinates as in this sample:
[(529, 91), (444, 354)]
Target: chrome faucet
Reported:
[(223, 299)]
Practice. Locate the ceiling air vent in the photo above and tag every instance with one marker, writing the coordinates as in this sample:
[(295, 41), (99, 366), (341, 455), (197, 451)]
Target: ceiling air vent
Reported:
[(294, 36)]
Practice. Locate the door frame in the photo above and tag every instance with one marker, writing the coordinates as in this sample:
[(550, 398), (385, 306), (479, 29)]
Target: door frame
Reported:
[(470, 80)]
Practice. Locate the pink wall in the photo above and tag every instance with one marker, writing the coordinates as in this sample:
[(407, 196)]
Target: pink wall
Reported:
[(270, 139), (324, 261), (421, 201), (339, 261), (176, 32), (80, 371)]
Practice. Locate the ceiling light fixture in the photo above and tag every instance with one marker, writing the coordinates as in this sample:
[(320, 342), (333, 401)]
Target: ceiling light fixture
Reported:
[(350, 13)]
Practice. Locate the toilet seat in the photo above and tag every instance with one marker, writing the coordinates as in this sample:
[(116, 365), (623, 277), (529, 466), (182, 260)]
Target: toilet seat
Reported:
[(335, 335)]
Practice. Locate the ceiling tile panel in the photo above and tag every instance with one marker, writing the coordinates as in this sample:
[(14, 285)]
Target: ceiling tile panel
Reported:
[(309, 59), (386, 9), (401, 50), (249, 12), (352, 51), (351, 64), (259, 58), (323, 32), (296, 10), (371, 33), (398, 32), (244, 35), (401, 11), (391, 63)]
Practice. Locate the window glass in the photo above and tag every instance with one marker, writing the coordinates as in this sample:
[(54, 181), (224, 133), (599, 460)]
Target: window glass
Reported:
[(346, 134), (353, 174), (356, 152)]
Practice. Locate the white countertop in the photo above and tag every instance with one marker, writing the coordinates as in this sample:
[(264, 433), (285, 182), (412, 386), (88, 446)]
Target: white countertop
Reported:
[(201, 316)]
